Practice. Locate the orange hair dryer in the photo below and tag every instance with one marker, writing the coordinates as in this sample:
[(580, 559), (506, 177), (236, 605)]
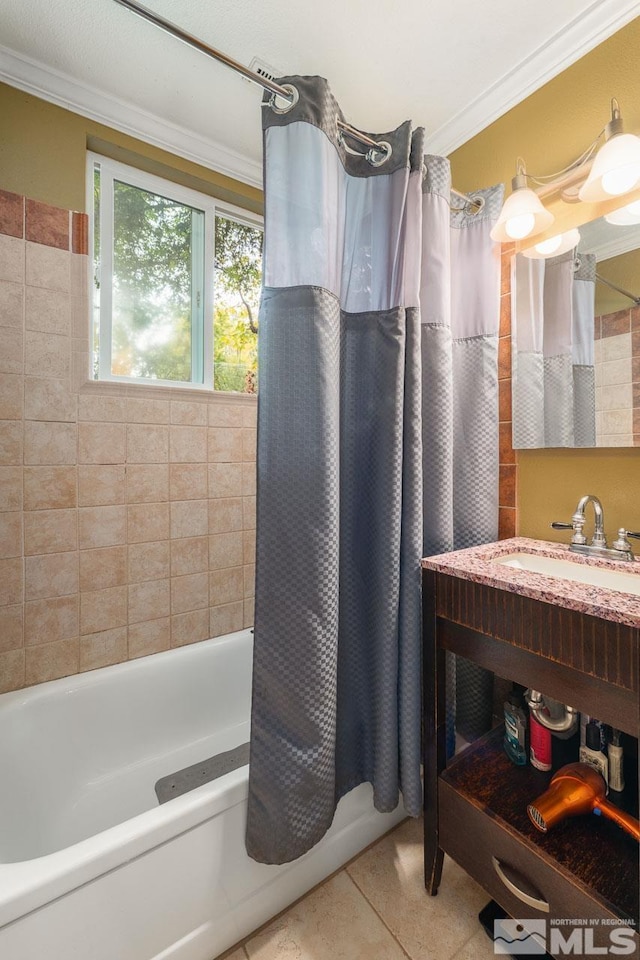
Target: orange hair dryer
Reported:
[(575, 790)]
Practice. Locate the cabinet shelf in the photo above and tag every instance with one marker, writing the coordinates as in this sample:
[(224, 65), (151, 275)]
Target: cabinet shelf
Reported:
[(591, 851)]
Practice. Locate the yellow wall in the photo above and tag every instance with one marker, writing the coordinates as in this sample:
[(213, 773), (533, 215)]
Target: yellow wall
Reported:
[(549, 129), (43, 155)]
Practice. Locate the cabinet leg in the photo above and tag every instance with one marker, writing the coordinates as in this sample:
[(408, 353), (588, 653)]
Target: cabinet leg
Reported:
[(433, 859)]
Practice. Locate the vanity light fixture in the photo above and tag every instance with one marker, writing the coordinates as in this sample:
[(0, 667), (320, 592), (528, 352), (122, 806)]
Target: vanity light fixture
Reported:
[(625, 216), (522, 213), (599, 173), (554, 246)]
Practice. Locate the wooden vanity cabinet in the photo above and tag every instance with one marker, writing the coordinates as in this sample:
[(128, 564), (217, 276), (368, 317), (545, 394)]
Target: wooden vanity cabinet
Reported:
[(475, 808)]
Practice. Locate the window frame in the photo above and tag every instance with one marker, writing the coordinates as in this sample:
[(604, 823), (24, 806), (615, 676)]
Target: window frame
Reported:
[(202, 350)]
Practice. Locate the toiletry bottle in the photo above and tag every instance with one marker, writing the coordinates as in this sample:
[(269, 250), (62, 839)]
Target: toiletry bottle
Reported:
[(592, 754), (616, 772), (540, 744), (515, 726)]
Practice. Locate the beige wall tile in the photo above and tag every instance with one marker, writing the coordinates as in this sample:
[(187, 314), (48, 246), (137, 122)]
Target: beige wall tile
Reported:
[(226, 619), (613, 372), (46, 355), (47, 310), (47, 267), (189, 556), (225, 445), (102, 568), (189, 593), (81, 367), (616, 348), (148, 561), (101, 526), (248, 479), (225, 479), (188, 444), (103, 648), (11, 627), (98, 408), (80, 275), (615, 397), (189, 627), (189, 412), (249, 444), (617, 422), (225, 550), (49, 488), (225, 515), (103, 610), (249, 581), (80, 318), (50, 531), (147, 443), (250, 415), (188, 481), (10, 488), (147, 411), (11, 304), (11, 396), (10, 442), (11, 662), (10, 535), (147, 521), (101, 443), (12, 259), (49, 400), (225, 414), (149, 600), (100, 485), (11, 350), (249, 512), (249, 607), (147, 482), (150, 636), (249, 546), (55, 618), (51, 575), (49, 661), (49, 443), (11, 581), (225, 585), (189, 518)]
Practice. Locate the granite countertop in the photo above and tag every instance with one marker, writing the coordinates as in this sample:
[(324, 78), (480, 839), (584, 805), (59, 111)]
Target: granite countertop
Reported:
[(475, 563)]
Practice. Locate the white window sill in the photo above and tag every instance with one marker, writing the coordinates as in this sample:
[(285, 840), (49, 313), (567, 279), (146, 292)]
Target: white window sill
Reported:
[(150, 391)]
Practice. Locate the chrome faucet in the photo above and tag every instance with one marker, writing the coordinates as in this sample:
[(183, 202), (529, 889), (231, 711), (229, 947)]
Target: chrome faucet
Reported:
[(619, 550)]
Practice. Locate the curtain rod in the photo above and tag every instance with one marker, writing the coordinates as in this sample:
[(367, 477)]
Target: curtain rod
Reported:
[(625, 293), (263, 82)]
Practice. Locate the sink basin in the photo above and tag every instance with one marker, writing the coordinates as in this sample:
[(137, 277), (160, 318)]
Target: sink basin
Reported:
[(578, 572)]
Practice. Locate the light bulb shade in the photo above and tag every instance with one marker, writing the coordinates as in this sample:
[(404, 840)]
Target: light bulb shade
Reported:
[(554, 246), (615, 170), (522, 215), (626, 216)]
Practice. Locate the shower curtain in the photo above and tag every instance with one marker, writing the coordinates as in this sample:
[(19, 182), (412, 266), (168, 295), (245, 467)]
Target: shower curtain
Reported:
[(344, 412), (553, 338)]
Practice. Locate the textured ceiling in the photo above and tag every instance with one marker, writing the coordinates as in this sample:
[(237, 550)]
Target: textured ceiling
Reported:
[(428, 60)]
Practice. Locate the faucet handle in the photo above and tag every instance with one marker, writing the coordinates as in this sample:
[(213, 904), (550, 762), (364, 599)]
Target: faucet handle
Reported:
[(558, 525), (631, 534), (622, 543), (577, 523)]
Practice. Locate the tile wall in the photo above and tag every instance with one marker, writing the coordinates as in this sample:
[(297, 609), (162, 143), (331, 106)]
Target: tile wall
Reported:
[(508, 464), (617, 362), (127, 513)]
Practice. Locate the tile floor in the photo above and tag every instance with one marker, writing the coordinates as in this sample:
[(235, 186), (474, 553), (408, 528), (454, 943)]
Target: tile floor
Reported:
[(376, 908)]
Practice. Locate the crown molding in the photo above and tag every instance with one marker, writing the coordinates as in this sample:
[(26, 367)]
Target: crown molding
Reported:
[(600, 20), (42, 81)]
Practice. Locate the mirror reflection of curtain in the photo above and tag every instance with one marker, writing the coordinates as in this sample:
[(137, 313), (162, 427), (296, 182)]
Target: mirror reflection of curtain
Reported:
[(553, 340)]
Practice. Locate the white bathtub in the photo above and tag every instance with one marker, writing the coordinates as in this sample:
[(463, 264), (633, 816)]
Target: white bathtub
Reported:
[(91, 866)]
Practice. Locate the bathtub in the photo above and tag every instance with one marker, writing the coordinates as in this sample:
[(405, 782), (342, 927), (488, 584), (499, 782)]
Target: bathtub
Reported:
[(92, 867)]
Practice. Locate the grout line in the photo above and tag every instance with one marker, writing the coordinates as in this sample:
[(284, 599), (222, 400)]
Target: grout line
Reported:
[(379, 915)]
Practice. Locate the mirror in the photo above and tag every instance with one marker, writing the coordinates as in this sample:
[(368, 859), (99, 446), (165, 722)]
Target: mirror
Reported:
[(575, 329)]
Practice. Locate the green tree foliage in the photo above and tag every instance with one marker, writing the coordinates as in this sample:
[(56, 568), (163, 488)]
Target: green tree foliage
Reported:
[(237, 295)]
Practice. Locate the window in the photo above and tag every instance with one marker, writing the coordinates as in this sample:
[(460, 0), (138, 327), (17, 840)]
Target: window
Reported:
[(176, 283)]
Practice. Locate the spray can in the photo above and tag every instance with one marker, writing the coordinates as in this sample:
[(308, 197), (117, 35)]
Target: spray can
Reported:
[(540, 744), (515, 726)]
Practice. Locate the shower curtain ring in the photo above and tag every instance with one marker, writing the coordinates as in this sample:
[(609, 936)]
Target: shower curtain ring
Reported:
[(379, 154), (295, 96)]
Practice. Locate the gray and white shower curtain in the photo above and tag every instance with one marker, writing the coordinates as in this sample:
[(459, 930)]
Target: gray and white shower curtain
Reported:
[(345, 411), (553, 306)]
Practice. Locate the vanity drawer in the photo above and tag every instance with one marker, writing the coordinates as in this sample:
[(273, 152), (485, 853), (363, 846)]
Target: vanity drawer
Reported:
[(513, 874)]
